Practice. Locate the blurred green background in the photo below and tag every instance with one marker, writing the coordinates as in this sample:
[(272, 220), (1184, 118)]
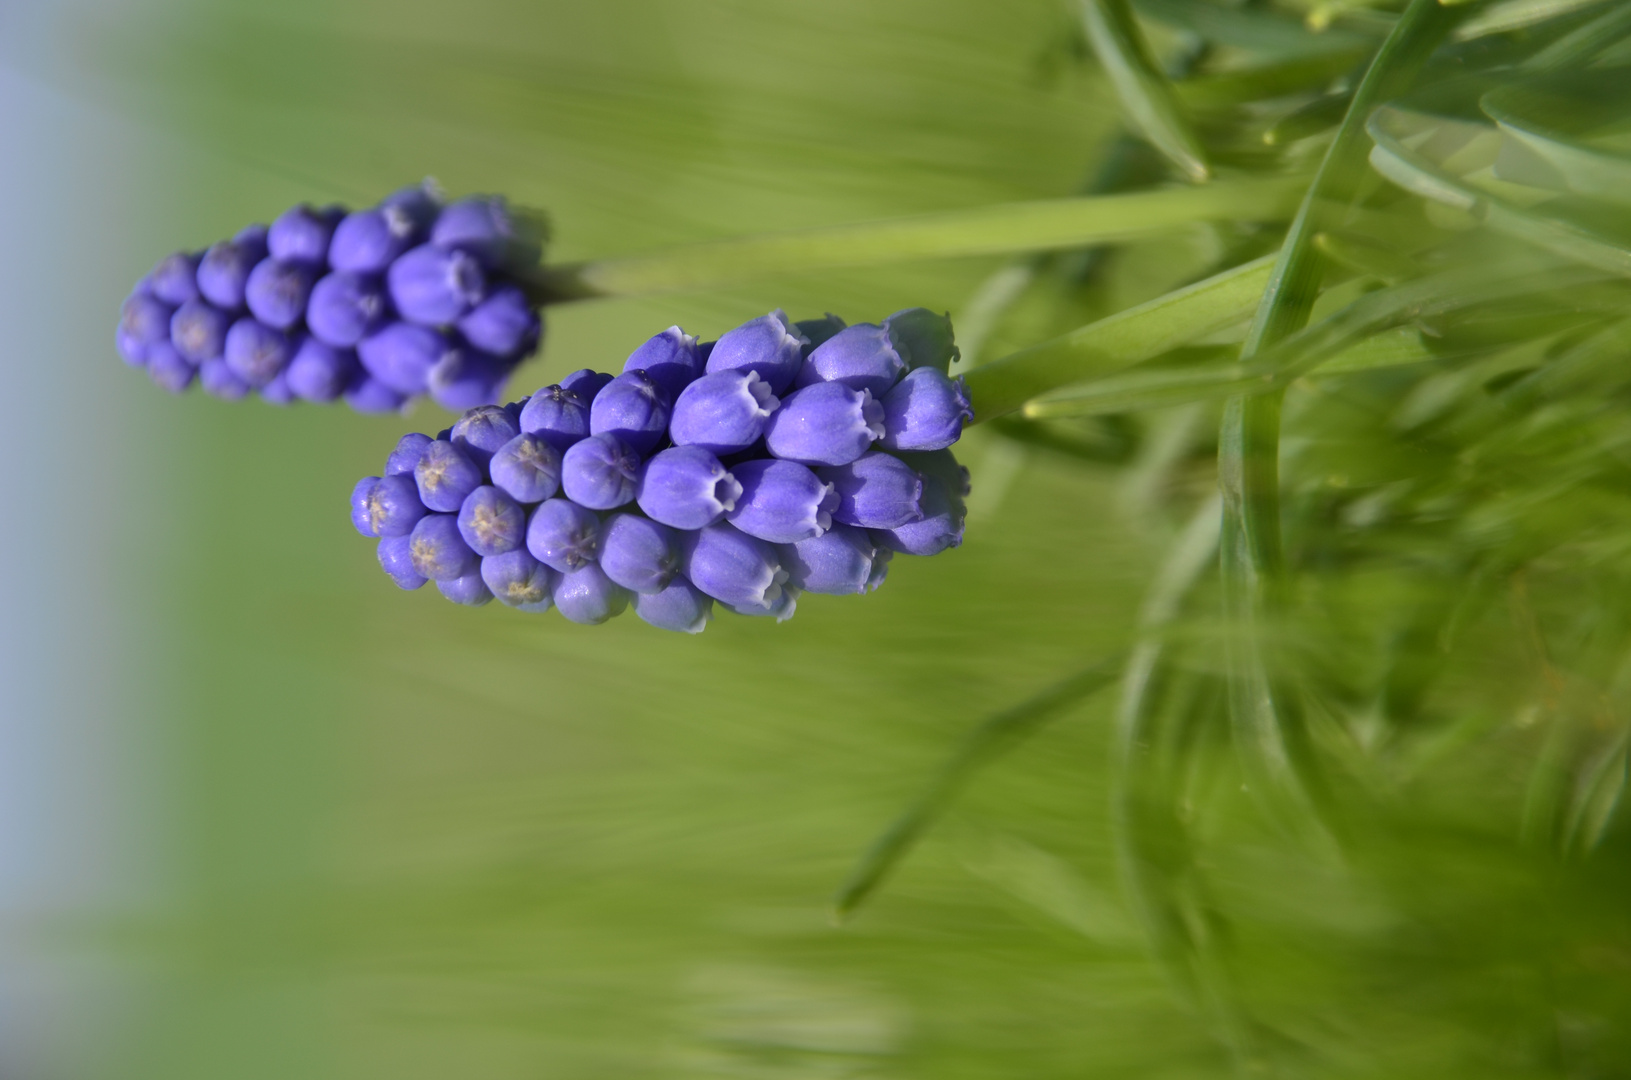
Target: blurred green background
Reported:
[(269, 817)]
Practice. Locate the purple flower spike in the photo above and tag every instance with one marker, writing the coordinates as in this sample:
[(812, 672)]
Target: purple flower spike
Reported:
[(401, 355), (587, 595), (366, 241), (369, 395), (277, 291), (220, 381), (941, 527), (345, 308), (681, 607), (465, 378), (199, 330), (600, 472), (394, 507), (943, 466), (409, 449), (167, 369), (301, 234), (841, 561), (925, 411), (224, 271), (781, 501), (861, 357), (434, 286), (175, 279), (824, 424), (638, 553), (438, 551), (563, 535), (527, 469), (819, 331), (468, 589), (557, 415), (491, 522), (633, 408), (362, 506), (395, 555), (445, 476), (484, 226), (876, 491), (144, 321), (922, 338), (481, 431), (504, 324), (586, 383), (733, 567), (723, 412), (769, 345), (255, 352), (320, 372), (670, 358), (687, 488), (520, 581)]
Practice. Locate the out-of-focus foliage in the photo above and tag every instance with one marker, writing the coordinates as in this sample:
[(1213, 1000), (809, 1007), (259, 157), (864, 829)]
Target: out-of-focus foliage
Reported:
[(1355, 809)]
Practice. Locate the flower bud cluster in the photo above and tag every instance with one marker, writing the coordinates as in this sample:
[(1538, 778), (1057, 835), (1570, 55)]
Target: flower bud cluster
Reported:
[(376, 306), (782, 458)]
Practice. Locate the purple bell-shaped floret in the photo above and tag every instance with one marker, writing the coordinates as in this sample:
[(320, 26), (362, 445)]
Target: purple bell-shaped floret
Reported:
[(198, 330), (876, 491), (503, 324), (527, 469), (345, 308), (219, 380), (277, 292), (255, 352), (824, 424), (223, 273), (587, 595), (365, 242), (435, 286), (175, 279), (445, 477), (481, 431), (841, 561), (557, 415), (520, 581), (681, 607), (586, 382), (301, 234), (468, 588), (732, 567), (401, 355), (638, 553), (633, 408), (769, 346), (563, 535), (409, 449), (724, 412), (438, 550), (600, 472), (925, 411), (671, 360), (395, 554), (491, 522), (941, 526), (781, 501), (861, 357), (687, 488), (319, 372), (144, 321)]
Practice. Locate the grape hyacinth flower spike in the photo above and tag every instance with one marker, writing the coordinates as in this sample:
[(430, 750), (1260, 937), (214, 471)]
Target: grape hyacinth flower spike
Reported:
[(376, 307), (681, 483)]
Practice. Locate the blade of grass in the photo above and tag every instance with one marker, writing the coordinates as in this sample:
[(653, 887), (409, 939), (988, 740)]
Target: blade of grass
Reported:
[(1118, 341), (985, 743), (1579, 46), (1518, 14), (1145, 94), (1265, 708), (1044, 225)]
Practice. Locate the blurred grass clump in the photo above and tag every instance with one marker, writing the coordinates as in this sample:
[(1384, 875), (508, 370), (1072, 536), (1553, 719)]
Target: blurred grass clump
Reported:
[(1345, 503)]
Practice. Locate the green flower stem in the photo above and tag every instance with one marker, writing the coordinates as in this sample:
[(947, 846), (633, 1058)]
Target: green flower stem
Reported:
[(1145, 93), (1265, 711), (1119, 341), (1008, 228)]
